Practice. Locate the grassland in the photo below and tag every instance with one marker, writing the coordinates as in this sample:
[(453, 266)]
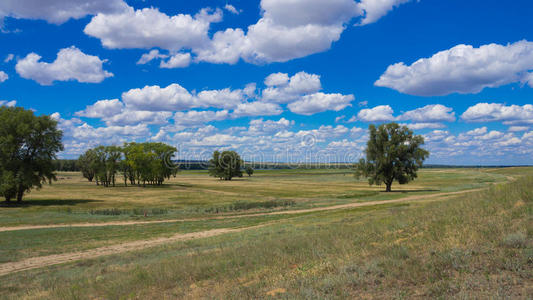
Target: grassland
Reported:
[(471, 245)]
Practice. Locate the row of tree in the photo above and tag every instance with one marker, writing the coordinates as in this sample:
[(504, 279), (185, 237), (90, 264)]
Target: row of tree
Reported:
[(139, 164)]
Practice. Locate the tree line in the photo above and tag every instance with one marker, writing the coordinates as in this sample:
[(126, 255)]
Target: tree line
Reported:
[(139, 164)]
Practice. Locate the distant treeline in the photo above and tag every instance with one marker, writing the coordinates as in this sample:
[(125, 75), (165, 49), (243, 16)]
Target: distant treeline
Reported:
[(66, 165), (71, 165)]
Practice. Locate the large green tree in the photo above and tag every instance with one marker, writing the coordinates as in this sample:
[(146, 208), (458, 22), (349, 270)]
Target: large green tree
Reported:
[(28, 147), (393, 153), (225, 165)]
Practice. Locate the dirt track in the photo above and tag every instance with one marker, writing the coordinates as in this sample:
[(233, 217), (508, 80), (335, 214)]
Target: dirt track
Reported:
[(284, 212), (44, 261)]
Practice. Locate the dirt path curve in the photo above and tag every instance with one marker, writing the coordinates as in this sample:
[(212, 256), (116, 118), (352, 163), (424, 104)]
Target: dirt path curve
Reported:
[(44, 261), (283, 212)]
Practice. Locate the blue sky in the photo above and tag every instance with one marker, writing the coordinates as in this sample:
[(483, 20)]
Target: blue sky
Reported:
[(276, 80)]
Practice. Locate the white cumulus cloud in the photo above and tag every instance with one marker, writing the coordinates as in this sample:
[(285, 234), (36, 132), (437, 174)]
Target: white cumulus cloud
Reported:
[(498, 112), (70, 64), (462, 69), (430, 113), (319, 102), (150, 28), (257, 108), (282, 89), (381, 113)]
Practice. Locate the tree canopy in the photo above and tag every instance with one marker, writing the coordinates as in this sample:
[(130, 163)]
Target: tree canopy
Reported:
[(249, 170), (140, 164), (393, 153), (225, 165), (28, 147)]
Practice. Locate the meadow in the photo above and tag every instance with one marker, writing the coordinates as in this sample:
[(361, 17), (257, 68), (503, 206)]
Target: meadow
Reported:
[(307, 234)]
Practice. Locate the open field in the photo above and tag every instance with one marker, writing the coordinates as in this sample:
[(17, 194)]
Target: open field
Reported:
[(283, 233)]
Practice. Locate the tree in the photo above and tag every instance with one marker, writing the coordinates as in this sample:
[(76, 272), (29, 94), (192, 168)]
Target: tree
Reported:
[(225, 165), (87, 164), (28, 148), (393, 153), (249, 170)]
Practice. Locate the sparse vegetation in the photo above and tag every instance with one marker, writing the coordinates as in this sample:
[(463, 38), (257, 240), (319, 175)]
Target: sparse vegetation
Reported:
[(474, 245)]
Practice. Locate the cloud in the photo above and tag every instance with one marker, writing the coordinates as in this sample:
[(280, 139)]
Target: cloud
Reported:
[(199, 117), (175, 97), (418, 126), (9, 58), (179, 60), (380, 113), (134, 117), (224, 98), (58, 11), (373, 10), (462, 69), (102, 109), (155, 98), (8, 103), (286, 30), (262, 127), (270, 42), (225, 47), (257, 108), (3, 76), (88, 132), (149, 28), (282, 89), (114, 112), (323, 133), (232, 9), (319, 102), (518, 128), (430, 113), (70, 64), (277, 79), (292, 29), (498, 112), (148, 57)]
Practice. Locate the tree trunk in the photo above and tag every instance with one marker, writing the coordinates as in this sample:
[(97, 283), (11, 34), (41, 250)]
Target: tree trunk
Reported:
[(20, 194), (389, 185)]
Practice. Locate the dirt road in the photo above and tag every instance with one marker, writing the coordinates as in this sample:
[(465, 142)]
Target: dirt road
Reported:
[(284, 212), (44, 261)]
